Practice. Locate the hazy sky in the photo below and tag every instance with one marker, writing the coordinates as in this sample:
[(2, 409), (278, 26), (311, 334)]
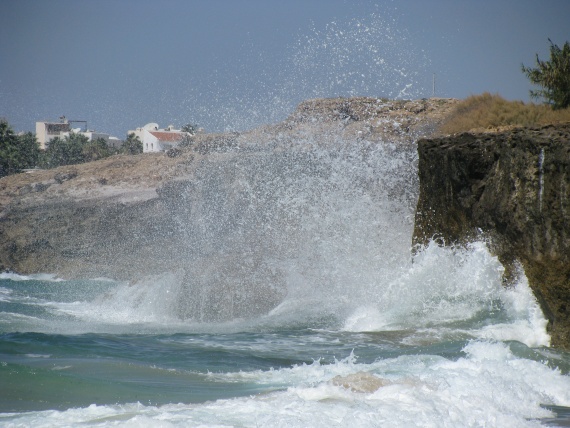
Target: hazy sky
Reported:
[(233, 64)]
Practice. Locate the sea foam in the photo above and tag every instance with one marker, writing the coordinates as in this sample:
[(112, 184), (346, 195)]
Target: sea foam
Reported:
[(488, 386)]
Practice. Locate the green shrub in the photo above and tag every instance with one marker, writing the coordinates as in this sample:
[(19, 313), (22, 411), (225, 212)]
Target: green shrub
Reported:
[(552, 76), (17, 152), (132, 145)]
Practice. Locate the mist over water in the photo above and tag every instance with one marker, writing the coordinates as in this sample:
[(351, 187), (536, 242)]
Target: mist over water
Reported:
[(365, 56), (314, 233)]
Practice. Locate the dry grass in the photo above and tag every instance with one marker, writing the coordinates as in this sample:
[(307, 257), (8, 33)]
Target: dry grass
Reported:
[(486, 111)]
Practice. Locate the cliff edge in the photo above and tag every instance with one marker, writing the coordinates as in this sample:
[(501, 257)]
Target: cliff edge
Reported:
[(511, 188)]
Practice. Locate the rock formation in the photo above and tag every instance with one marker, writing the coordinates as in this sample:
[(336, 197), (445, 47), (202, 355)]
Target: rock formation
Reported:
[(511, 188), (126, 217)]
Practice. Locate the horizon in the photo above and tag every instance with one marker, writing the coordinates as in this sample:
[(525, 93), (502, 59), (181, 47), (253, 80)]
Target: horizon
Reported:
[(244, 64)]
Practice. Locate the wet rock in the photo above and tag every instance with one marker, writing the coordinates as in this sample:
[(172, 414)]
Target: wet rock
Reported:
[(512, 187), (360, 382)]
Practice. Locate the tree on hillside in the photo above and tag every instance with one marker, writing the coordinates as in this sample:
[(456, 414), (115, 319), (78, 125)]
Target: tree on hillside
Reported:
[(29, 150), (190, 128), (94, 150), (8, 149), (64, 151), (74, 149), (553, 76), (17, 152), (188, 138), (132, 145)]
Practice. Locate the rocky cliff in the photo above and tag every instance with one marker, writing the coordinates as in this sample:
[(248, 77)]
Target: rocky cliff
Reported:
[(511, 188), (197, 211)]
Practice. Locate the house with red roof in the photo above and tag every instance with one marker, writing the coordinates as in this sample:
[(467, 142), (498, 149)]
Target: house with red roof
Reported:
[(155, 139)]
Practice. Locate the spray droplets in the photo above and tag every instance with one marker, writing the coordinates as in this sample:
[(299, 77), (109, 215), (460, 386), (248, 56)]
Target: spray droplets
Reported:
[(326, 62), (368, 56)]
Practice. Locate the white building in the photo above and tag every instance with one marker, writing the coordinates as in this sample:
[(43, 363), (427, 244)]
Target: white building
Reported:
[(47, 131), (159, 140)]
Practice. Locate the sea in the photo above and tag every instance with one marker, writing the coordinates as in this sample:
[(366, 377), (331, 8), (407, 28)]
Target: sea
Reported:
[(369, 332)]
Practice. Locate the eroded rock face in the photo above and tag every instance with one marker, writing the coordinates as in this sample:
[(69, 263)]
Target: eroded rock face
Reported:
[(226, 211), (513, 187)]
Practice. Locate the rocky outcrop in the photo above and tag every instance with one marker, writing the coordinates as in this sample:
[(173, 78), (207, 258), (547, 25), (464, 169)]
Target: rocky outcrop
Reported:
[(216, 210), (512, 188)]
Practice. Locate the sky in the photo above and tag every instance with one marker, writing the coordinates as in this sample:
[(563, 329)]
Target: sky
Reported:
[(235, 64)]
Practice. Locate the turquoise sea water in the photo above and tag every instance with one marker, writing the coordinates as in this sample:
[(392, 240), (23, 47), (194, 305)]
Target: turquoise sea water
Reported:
[(67, 360)]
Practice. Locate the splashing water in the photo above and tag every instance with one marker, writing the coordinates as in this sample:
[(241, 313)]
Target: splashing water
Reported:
[(300, 303), (314, 234), (369, 56), (360, 57)]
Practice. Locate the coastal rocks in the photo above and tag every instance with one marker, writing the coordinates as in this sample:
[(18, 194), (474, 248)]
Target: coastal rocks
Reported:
[(512, 188), (229, 211), (360, 382), (373, 119)]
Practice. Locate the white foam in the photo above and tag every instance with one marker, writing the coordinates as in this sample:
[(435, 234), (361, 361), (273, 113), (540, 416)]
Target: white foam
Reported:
[(148, 301), (5, 294), (40, 277), (367, 318), (446, 285), (488, 387), (441, 287), (528, 324)]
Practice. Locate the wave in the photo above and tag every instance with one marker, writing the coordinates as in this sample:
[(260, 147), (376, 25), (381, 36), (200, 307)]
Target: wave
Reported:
[(439, 294), (488, 385), (35, 277)]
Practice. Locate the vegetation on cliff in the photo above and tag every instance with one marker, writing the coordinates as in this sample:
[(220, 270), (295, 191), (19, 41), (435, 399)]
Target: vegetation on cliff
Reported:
[(73, 149), (552, 76), (488, 111), (132, 145), (17, 152)]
